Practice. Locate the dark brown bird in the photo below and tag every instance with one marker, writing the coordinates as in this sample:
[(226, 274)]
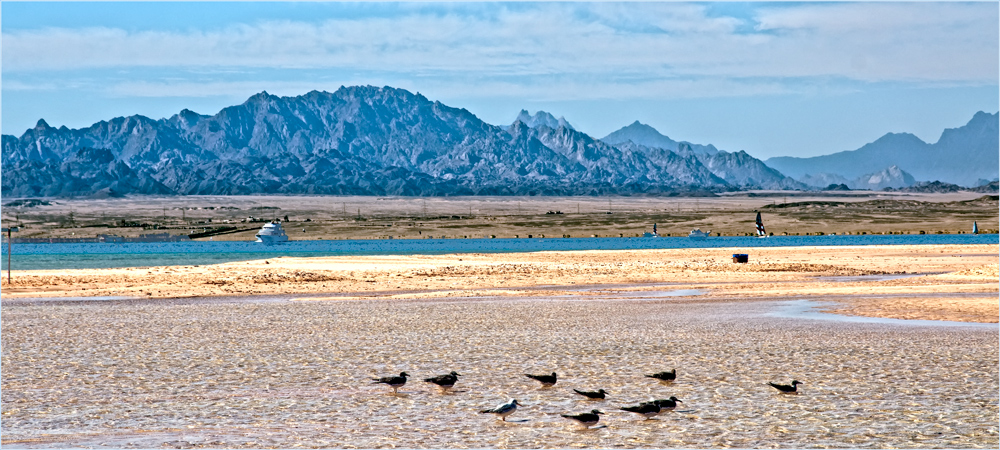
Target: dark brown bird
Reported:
[(445, 382), (586, 419), (647, 409), (664, 376), (787, 388), (666, 405), (593, 395), (546, 380), (394, 382)]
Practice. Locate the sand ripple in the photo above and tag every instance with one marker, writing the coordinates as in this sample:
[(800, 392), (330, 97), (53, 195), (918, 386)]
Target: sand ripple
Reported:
[(295, 375)]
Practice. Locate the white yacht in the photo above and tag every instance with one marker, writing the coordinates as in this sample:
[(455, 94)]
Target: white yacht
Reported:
[(272, 233), (698, 234)]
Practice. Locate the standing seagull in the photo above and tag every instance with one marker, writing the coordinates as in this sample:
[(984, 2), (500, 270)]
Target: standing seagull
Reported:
[(648, 409), (503, 410), (586, 419), (665, 377), (394, 382), (787, 388), (445, 382), (593, 395), (666, 405), (546, 380)]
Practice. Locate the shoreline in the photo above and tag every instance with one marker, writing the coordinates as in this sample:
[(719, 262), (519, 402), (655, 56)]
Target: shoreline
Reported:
[(918, 282)]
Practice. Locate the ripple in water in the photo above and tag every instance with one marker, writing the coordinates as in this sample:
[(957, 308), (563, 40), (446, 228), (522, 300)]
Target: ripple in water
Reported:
[(297, 374)]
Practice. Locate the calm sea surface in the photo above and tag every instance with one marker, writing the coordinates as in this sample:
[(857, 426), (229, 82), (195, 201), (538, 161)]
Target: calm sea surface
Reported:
[(93, 255)]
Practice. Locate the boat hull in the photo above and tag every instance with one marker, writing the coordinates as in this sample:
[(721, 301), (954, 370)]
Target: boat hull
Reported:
[(268, 239)]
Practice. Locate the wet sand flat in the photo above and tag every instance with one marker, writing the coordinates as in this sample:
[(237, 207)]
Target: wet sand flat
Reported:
[(274, 372), (930, 282)]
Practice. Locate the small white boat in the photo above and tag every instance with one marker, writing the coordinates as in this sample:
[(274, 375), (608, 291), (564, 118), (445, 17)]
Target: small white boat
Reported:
[(653, 234), (760, 227), (698, 234), (272, 233)]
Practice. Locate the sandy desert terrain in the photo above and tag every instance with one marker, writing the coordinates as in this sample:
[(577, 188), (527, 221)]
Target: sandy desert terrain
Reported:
[(506, 217)]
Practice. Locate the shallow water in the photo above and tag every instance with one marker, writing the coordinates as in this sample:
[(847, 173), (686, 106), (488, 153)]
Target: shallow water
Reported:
[(289, 374), (811, 309), (104, 255)]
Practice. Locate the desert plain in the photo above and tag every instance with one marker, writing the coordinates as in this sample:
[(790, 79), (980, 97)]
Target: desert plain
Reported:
[(360, 217)]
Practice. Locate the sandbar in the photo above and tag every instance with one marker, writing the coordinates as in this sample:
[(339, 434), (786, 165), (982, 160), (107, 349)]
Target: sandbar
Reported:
[(925, 282)]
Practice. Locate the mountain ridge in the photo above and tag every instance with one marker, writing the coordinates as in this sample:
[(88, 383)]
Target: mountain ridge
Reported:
[(360, 140), (976, 142), (367, 140)]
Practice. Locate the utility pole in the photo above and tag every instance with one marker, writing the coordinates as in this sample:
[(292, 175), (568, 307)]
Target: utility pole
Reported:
[(10, 243)]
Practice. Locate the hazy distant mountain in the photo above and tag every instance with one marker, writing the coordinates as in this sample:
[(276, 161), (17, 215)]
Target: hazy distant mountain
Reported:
[(541, 118), (892, 177), (736, 169), (358, 140), (962, 155), (822, 180), (746, 172), (643, 134)]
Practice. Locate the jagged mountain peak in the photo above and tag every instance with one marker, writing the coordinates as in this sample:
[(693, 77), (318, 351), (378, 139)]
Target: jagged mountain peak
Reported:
[(542, 118), (359, 140), (890, 177)]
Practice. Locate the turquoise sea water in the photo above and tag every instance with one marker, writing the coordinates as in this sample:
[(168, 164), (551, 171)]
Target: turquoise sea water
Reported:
[(95, 255)]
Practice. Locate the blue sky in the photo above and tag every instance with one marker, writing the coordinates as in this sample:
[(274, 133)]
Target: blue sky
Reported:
[(773, 79)]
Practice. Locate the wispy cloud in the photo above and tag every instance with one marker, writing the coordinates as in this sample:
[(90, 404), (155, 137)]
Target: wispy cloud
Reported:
[(920, 42)]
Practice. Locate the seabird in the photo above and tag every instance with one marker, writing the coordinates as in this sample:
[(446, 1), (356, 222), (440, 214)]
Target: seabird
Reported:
[(444, 381), (787, 388), (546, 380), (647, 409), (503, 410), (664, 376), (666, 405), (586, 419), (594, 395), (394, 382)]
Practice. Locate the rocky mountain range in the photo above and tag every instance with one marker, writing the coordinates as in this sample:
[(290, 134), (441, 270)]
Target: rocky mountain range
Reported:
[(967, 156), (360, 140), (891, 177)]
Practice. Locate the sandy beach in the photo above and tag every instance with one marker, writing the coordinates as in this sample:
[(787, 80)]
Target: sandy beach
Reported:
[(932, 282), (279, 353)]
